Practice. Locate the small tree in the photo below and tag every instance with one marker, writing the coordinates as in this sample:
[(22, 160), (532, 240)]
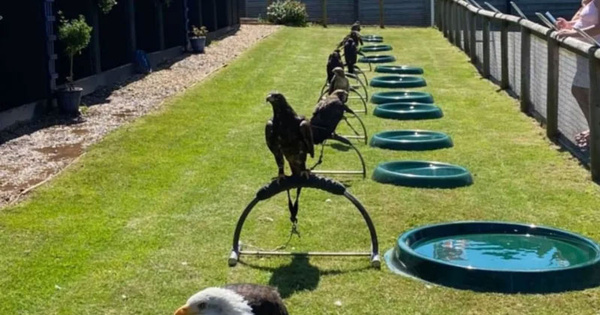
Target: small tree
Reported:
[(76, 35)]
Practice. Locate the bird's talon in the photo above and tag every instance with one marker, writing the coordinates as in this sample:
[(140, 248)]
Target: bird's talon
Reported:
[(280, 177)]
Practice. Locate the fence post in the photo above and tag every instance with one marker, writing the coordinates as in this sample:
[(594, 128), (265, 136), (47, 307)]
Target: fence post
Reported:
[(447, 18), (381, 14), (504, 55), (444, 17), (451, 21), (457, 24), (215, 15), (130, 25), (465, 27), (356, 10), (473, 37), (552, 98), (525, 69), (324, 13), (441, 15), (160, 26), (486, 47), (95, 41), (437, 12), (594, 115)]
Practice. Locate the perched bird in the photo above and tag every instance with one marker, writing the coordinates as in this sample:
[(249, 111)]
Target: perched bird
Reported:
[(235, 299), (334, 61), (327, 115), (289, 135), (339, 81), (355, 36), (350, 54)]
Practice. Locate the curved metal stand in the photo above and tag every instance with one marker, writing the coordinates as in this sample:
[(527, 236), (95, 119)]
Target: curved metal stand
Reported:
[(316, 182), (356, 135), (345, 141), (362, 100), (362, 84), (357, 69)]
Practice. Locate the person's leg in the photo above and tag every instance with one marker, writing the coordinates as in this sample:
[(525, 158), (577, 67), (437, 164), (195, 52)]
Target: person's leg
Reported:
[(582, 97)]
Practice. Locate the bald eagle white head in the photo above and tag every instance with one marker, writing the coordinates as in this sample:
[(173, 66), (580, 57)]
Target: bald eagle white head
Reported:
[(215, 301), (237, 299)]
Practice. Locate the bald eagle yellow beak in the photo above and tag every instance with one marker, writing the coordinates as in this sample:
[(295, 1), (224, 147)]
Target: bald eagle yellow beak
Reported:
[(184, 310)]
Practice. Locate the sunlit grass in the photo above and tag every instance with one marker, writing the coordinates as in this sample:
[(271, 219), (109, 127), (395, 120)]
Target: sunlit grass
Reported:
[(146, 218)]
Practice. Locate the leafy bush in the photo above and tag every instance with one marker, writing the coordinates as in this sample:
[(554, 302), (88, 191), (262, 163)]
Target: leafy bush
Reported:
[(76, 35), (106, 5), (288, 12), (199, 32)]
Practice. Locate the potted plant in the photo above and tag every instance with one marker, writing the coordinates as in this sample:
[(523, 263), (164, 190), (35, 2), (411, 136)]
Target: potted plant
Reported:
[(75, 34), (198, 38)]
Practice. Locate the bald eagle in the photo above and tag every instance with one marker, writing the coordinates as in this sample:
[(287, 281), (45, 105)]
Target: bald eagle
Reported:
[(235, 299)]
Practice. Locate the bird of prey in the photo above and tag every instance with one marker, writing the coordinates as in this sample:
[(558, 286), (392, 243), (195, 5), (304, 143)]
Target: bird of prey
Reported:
[(350, 54), (339, 81), (355, 36), (327, 115), (334, 61), (235, 299), (289, 135)]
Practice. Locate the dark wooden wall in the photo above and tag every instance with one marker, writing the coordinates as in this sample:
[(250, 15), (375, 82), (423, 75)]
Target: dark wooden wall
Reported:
[(27, 58), (22, 53)]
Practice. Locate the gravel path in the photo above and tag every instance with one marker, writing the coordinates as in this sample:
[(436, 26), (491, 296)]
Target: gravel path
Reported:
[(33, 152)]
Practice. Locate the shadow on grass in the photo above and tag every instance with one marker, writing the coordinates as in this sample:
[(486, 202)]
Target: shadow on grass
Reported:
[(339, 146), (299, 275)]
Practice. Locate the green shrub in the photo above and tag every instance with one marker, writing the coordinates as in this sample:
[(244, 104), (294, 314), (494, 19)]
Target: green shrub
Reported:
[(288, 12), (106, 5)]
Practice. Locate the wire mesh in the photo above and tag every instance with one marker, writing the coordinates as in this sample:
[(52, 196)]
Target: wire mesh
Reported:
[(514, 58), (539, 76), (495, 51), (461, 26), (479, 42)]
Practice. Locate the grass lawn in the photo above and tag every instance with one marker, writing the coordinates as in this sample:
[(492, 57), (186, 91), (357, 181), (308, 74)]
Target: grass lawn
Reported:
[(146, 218)]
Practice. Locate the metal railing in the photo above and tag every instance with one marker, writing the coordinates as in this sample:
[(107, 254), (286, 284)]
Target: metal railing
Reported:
[(529, 60)]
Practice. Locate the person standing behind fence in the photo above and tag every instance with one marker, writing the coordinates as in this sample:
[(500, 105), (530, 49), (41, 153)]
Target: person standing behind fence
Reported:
[(587, 19)]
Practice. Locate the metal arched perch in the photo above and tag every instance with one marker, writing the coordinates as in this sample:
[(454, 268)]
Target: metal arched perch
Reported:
[(316, 182), (347, 142)]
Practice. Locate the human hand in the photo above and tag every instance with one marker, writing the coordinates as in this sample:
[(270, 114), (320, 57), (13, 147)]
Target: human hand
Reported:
[(561, 23), (566, 33)]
